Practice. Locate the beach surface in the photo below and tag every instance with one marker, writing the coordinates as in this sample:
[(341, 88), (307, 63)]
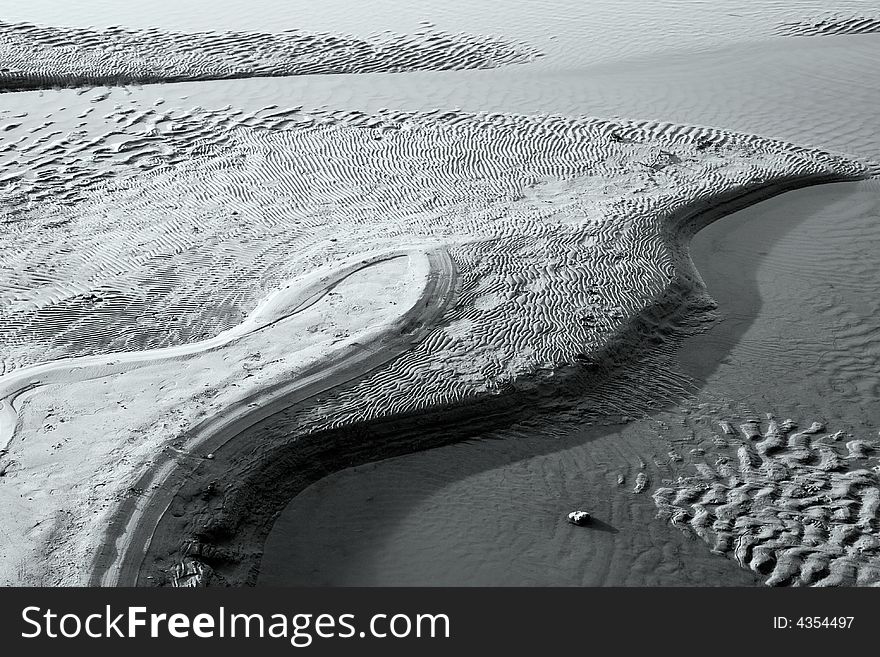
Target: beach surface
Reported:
[(213, 307)]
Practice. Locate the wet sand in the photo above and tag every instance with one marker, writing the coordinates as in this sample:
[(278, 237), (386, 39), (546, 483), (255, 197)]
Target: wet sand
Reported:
[(771, 268), (175, 172), (805, 314)]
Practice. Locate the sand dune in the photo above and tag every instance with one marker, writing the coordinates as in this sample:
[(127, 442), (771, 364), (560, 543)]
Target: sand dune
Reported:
[(246, 203)]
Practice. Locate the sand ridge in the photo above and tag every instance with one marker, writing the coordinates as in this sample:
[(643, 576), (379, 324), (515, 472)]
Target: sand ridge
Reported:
[(37, 57), (94, 442), (515, 319)]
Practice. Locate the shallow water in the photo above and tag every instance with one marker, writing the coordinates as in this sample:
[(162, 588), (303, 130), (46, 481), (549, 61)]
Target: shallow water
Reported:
[(571, 31), (800, 327), (795, 280), (794, 277), (487, 513)]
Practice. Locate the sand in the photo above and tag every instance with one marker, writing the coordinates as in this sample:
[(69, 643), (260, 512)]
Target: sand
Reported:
[(223, 539), (613, 35), (794, 506), (406, 510), (146, 227), (784, 345), (38, 57), (95, 460)]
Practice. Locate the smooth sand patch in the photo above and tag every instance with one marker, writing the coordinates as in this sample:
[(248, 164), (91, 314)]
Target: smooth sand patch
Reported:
[(87, 432)]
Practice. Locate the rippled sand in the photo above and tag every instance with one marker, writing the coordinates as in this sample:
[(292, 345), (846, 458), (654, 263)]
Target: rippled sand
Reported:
[(139, 223), (38, 57), (785, 345)]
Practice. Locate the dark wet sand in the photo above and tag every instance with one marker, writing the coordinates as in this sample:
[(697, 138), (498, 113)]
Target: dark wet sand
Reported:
[(795, 279), (492, 512)]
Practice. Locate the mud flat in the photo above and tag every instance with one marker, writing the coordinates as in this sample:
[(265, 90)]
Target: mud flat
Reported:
[(491, 511)]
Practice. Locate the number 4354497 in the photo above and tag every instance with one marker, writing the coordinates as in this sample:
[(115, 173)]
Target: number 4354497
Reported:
[(813, 622)]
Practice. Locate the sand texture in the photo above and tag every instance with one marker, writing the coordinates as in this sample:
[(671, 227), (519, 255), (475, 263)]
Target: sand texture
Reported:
[(320, 249), (831, 24), (798, 506), (548, 222), (504, 340), (36, 57), (251, 198)]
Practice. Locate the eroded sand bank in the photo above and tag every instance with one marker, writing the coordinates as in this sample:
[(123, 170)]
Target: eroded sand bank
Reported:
[(794, 280), (87, 428), (567, 237)]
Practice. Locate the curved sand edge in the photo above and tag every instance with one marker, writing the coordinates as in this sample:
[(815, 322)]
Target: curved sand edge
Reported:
[(227, 550), (130, 529), (281, 304), (520, 321), (87, 433)]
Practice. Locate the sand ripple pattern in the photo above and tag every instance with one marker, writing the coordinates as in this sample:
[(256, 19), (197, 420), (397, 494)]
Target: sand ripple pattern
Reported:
[(575, 229), (37, 57), (831, 24), (798, 507), (558, 228)]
